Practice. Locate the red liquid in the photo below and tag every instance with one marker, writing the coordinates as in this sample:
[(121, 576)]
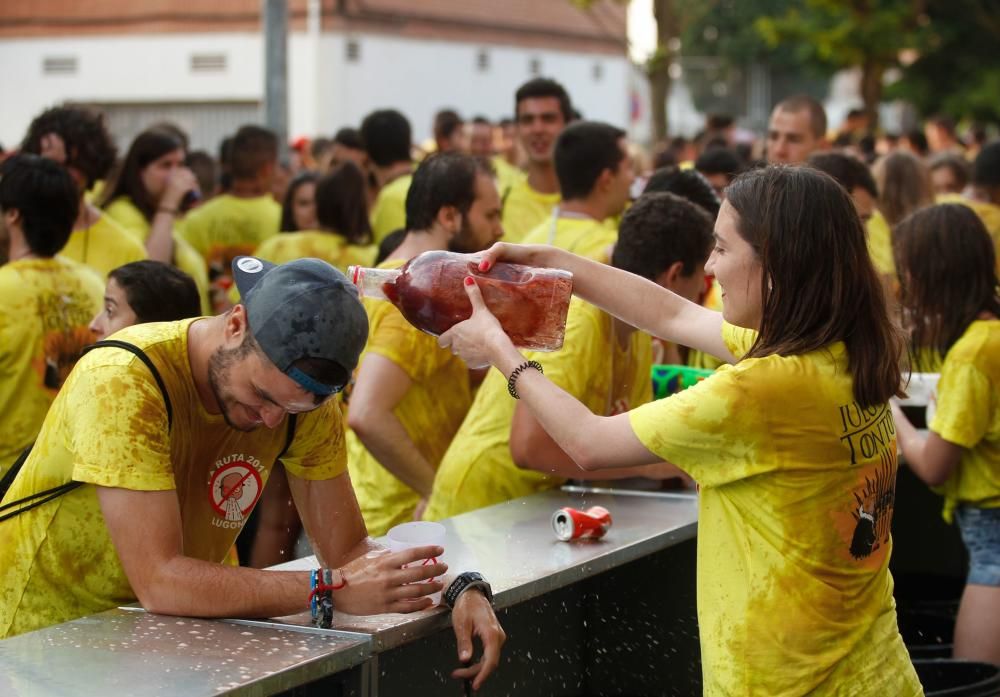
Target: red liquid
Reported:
[(530, 303)]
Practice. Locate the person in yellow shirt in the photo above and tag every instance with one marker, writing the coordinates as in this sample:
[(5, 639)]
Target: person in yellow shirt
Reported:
[(792, 446), (47, 299), (410, 396), (148, 198), (501, 451), (595, 176), (542, 110), (78, 139), (239, 220), (388, 141), (950, 293), (168, 449), (341, 233)]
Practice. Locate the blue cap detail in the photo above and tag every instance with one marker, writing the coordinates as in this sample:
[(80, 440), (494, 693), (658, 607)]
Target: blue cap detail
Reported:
[(310, 384)]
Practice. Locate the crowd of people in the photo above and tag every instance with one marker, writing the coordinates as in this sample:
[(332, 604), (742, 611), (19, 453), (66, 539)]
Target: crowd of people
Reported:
[(237, 371)]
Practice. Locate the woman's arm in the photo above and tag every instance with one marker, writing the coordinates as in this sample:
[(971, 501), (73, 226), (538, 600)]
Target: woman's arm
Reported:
[(591, 441), (931, 457), (633, 299)]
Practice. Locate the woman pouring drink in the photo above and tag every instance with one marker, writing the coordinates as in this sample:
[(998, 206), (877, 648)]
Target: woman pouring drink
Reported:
[(793, 444)]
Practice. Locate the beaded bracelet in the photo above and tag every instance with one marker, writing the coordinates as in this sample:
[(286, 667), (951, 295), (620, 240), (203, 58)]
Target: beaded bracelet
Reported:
[(512, 380)]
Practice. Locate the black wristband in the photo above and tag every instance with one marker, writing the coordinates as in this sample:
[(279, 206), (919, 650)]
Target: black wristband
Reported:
[(512, 380), (467, 581)]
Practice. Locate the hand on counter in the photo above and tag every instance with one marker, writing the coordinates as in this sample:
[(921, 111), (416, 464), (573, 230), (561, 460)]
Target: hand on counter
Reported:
[(473, 616), (376, 583)]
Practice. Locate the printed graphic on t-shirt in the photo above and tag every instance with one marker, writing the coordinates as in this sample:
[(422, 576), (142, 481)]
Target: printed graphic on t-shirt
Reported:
[(870, 436), (234, 487), (66, 317)]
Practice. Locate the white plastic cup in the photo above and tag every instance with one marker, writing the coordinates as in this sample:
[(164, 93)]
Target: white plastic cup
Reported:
[(419, 533)]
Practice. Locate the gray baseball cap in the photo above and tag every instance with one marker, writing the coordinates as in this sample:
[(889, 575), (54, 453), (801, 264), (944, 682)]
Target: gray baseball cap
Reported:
[(302, 309)]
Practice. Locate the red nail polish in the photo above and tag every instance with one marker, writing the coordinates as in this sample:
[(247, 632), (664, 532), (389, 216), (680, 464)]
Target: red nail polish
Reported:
[(484, 265), (469, 280)]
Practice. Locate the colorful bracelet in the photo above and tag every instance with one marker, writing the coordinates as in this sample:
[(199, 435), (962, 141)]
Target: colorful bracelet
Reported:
[(512, 380), (321, 587)]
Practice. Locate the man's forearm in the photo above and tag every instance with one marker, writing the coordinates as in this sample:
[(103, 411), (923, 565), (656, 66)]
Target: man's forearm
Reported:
[(387, 440)]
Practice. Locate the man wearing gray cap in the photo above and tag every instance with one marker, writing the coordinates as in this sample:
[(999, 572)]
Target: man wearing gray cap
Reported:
[(155, 450)]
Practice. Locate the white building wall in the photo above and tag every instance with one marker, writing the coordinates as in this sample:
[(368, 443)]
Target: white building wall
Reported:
[(326, 91)]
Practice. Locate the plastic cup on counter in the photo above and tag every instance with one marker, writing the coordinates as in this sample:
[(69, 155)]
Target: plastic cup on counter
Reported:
[(418, 534)]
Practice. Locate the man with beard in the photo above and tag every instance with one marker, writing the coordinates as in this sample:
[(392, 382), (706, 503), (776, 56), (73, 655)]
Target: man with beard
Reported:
[(163, 436), (542, 109), (410, 395)]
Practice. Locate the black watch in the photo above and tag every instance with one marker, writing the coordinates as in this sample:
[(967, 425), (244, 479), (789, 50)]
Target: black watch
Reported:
[(466, 581)]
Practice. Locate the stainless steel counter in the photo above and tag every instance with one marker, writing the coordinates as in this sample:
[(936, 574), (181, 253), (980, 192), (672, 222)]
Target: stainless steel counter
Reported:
[(134, 653), (513, 545), (130, 652)]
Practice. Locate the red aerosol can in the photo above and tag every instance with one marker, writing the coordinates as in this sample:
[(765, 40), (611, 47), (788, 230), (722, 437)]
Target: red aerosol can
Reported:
[(572, 524)]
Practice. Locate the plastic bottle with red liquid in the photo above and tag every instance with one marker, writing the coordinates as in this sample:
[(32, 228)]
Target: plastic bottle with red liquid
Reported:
[(530, 303)]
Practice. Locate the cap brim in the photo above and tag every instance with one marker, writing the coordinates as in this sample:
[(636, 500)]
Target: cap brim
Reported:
[(247, 271)]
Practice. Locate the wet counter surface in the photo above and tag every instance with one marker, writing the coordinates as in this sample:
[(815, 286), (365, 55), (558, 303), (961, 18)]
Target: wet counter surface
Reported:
[(131, 652)]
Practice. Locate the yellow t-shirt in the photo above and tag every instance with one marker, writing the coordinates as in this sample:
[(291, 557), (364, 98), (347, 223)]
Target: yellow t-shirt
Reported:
[(478, 469), (328, 246), (103, 246), (797, 494), (584, 236), (968, 414), (506, 174), (108, 427), (431, 411), (227, 226), (524, 209), (389, 210), (47, 305), (186, 258), (880, 244)]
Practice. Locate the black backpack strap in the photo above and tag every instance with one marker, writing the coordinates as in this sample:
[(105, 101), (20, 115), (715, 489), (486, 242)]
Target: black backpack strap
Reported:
[(37, 499), (141, 355)]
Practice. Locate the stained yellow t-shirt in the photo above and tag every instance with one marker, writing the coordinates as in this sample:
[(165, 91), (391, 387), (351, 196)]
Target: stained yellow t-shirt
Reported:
[(227, 226), (431, 411), (328, 246), (524, 209), (389, 210), (186, 258), (108, 427), (478, 469), (880, 244), (104, 246), (797, 493), (968, 414), (587, 237), (46, 308)]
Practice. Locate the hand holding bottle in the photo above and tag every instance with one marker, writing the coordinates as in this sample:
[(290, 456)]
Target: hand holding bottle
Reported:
[(480, 339), (181, 181)]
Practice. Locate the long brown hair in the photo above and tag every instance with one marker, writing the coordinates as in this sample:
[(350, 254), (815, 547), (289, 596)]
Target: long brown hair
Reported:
[(818, 284), (904, 185), (947, 274), (148, 146)]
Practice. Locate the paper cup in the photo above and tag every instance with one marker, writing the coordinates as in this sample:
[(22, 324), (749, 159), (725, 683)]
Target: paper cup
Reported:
[(418, 534)]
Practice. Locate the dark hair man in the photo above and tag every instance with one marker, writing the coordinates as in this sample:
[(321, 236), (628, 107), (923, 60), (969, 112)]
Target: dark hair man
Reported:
[(387, 138), (158, 509), (797, 129), (480, 136), (950, 173), (410, 395), (689, 184), (541, 110), (235, 222), (719, 166), (595, 176), (78, 139), (347, 145), (501, 451), (47, 300)]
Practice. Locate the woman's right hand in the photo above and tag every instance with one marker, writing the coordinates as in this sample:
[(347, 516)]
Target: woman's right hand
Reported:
[(181, 181), (377, 583)]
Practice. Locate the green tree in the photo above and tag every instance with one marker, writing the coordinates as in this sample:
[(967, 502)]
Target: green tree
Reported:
[(869, 34)]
